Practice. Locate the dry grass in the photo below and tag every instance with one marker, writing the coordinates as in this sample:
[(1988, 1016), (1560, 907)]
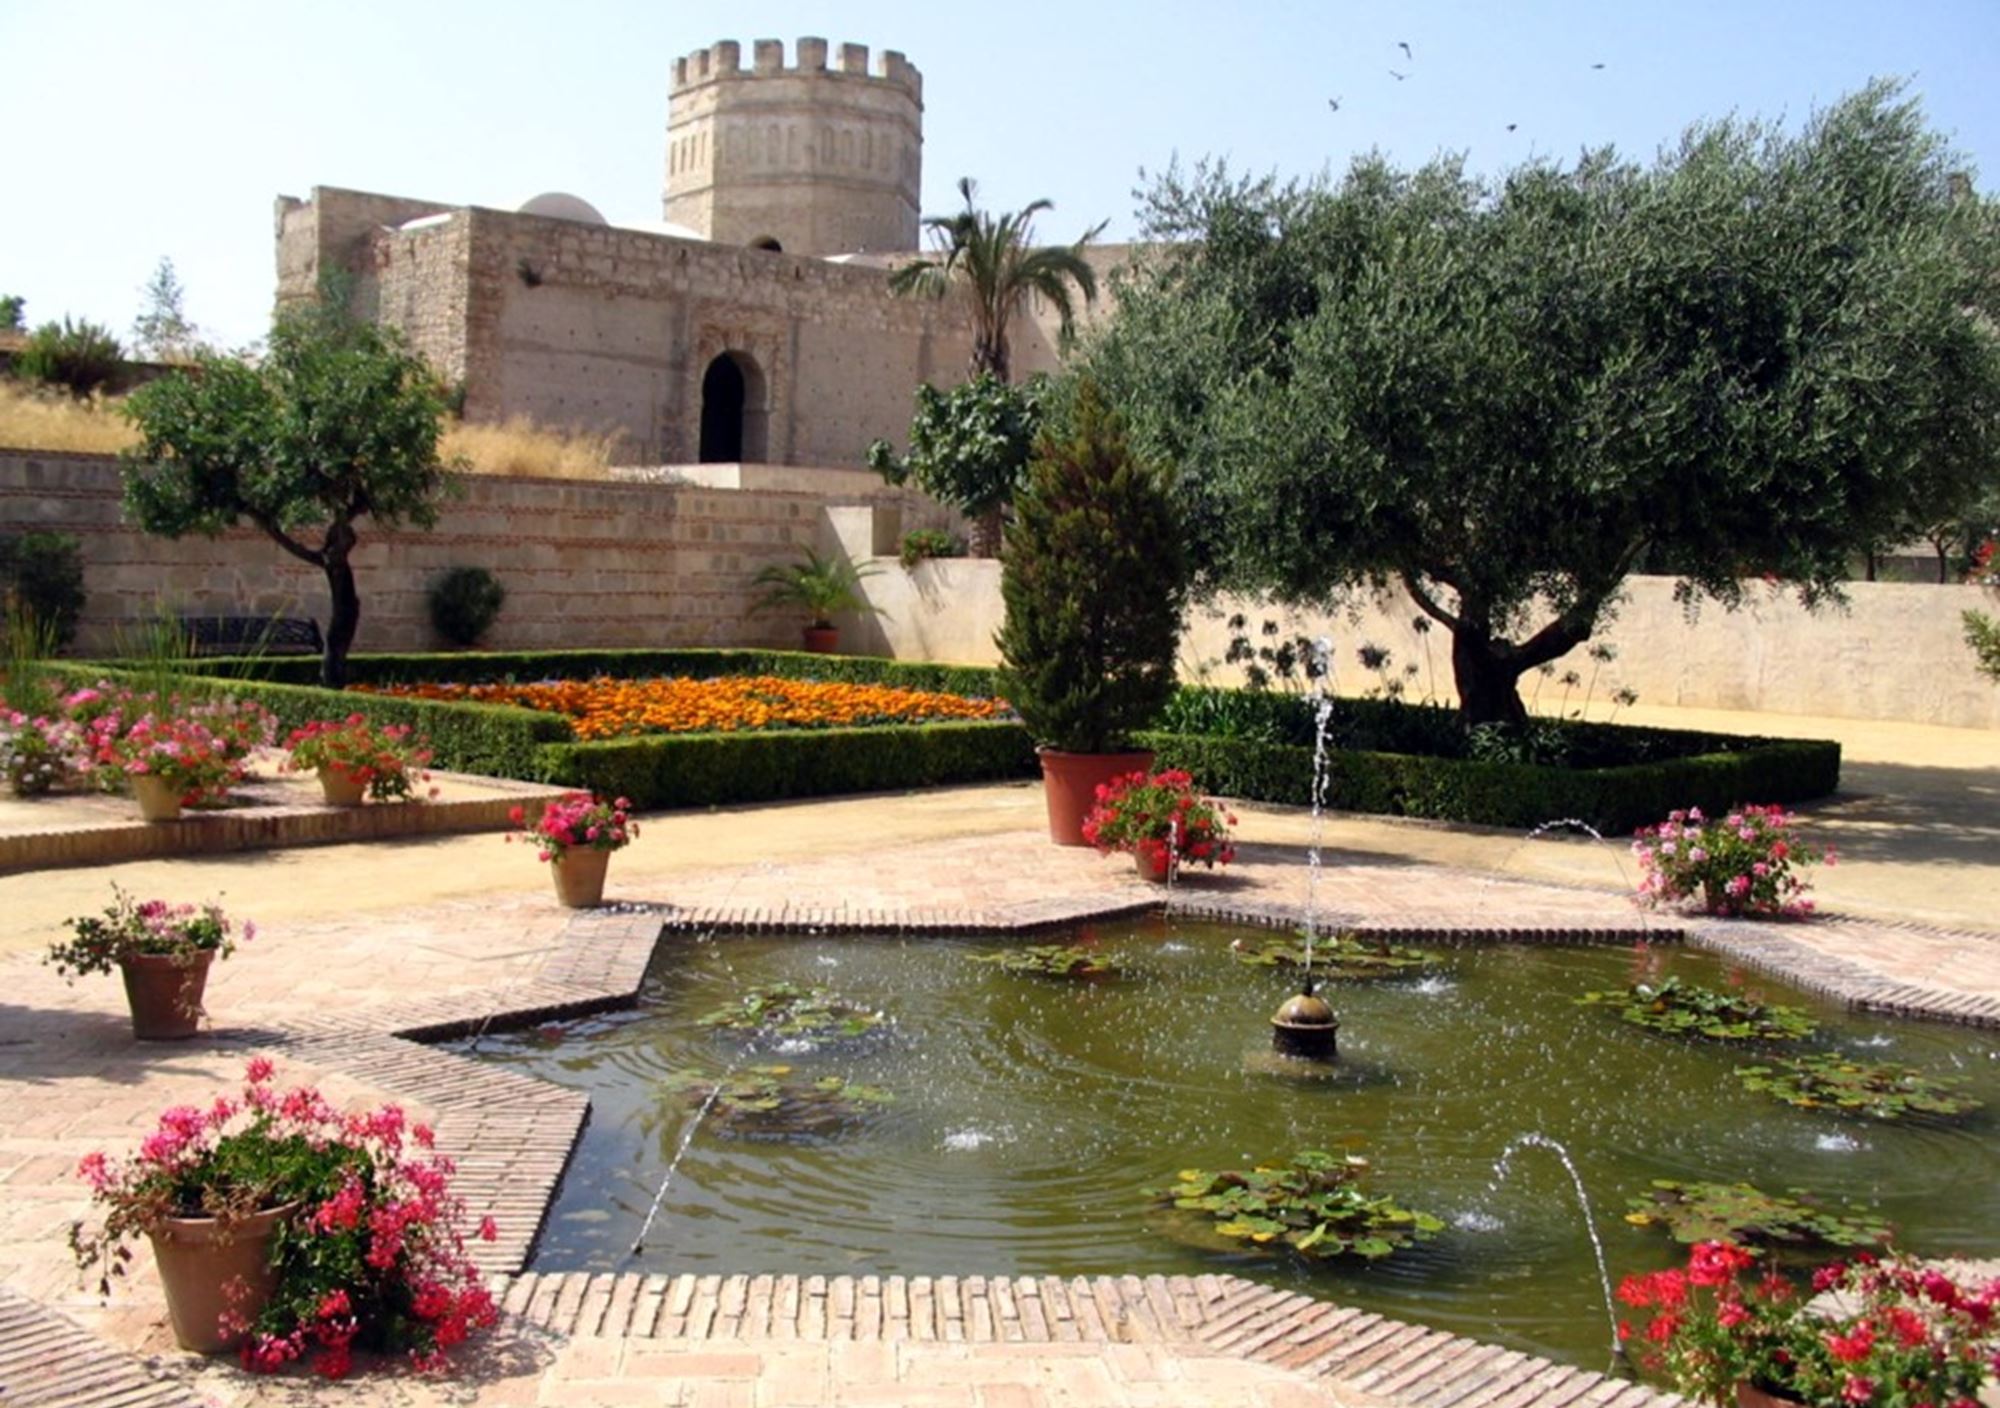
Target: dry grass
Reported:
[(35, 419), (522, 448)]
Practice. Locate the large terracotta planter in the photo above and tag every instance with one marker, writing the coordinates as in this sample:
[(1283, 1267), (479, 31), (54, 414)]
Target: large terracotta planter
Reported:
[(200, 1259), (1070, 782), (579, 876), (158, 799), (1154, 865), (340, 788), (1750, 1396), (823, 640), (165, 994)]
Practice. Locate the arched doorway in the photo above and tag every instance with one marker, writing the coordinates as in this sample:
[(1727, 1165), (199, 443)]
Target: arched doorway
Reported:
[(732, 411)]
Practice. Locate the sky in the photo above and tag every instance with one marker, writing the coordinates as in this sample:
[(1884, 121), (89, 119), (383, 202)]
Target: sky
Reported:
[(138, 131)]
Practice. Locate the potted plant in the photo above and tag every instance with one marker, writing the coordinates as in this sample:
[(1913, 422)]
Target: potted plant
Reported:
[(1094, 577), (293, 1229), (355, 759), (818, 587), (1893, 1333), (169, 762), (164, 952), (576, 835), (1741, 863), (1162, 821)]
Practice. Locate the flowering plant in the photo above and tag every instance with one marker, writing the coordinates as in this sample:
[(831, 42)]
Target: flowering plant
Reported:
[(1740, 864), (150, 928), (1162, 818), (577, 819), (1900, 1334), (184, 754), (374, 1255), (38, 754), (388, 762)]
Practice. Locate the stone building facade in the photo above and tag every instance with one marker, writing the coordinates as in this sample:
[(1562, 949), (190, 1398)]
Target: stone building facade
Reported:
[(757, 326)]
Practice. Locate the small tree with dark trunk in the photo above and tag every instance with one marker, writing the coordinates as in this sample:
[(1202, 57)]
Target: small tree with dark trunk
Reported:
[(338, 422), (969, 449), (1755, 357)]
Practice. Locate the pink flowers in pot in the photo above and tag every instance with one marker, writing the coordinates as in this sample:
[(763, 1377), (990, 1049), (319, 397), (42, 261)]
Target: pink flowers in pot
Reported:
[(131, 928), (579, 820), (1741, 863), (373, 1253), (386, 762)]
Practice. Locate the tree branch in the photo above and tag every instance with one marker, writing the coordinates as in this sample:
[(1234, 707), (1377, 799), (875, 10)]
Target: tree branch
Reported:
[(286, 541), (1425, 601)]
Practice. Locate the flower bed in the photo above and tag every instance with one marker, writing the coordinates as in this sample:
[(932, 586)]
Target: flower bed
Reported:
[(604, 708)]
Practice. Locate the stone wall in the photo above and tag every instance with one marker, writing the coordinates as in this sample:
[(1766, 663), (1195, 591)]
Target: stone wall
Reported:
[(1896, 652), (583, 563)]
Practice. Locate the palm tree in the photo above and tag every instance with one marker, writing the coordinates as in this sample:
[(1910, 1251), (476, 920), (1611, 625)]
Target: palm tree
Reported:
[(991, 259)]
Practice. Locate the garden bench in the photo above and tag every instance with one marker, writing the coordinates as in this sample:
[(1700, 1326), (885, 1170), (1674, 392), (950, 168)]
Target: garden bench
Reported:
[(229, 635)]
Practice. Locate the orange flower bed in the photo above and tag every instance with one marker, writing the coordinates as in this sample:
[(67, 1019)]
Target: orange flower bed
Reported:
[(614, 708)]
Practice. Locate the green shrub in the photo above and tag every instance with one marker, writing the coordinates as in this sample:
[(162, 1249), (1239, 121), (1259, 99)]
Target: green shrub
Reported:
[(709, 769), (1982, 633), (1614, 800), (78, 356), (922, 543), (41, 576), (464, 602)]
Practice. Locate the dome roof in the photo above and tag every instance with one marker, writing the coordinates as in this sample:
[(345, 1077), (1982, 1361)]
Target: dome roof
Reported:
[(561, 205)]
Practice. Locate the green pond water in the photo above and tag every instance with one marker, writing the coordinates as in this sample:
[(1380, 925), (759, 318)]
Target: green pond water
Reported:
[(1029, 1115)]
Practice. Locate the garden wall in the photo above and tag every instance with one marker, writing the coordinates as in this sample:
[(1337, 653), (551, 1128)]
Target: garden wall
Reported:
[(1897, 652), (584, 564)]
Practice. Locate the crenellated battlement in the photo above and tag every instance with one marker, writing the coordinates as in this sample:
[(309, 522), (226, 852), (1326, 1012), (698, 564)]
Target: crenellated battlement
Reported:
[(723, 61)]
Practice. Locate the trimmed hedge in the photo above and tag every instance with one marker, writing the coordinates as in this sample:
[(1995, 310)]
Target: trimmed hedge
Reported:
[(705, 769), (1616, 801), (502, 666)]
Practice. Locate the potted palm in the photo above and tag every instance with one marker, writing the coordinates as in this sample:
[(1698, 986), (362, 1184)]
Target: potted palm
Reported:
[(1094, 577), (819, 588)]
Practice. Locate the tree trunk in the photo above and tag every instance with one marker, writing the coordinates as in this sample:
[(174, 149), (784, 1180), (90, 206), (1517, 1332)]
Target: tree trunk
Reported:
[(983, 539), (1488, 685), (345, 618)]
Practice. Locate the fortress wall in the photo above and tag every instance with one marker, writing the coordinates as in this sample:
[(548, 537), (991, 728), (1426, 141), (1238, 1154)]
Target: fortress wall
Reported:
[(618, 327), (583, 563)]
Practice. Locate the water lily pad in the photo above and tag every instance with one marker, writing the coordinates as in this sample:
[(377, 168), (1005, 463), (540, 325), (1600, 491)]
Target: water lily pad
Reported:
[(1310, 1206), (1748, 1216), (1686, 1009), (1871, 1090), (1335, 956), (758, 1102), (786, 1009), (1051, 961)]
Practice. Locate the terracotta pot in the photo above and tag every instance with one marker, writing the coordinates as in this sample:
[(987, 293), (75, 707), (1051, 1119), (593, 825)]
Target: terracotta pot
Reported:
[(1153, 865), (159, 800), (1070, 782), (823, 640), (1750, 1396), (164, 993), (200, 1259), (340, 788), (579, 875)]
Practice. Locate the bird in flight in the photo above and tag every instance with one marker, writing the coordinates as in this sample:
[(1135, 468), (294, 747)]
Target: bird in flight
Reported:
[(1404, 46), (1333, 103), (1597, 65), (1512, 125), (1399, 77)]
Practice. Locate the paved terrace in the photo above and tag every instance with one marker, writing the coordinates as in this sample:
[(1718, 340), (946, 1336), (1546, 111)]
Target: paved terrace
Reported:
[(361, 942)]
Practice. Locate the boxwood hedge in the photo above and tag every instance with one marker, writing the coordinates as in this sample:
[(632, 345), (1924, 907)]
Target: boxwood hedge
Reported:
[(1388, 758)]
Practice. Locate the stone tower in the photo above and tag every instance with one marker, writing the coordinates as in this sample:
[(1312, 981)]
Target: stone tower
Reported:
[(807, 159)]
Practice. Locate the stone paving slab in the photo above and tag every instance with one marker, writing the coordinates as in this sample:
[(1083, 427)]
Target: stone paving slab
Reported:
[(270, 809), (337, 999)]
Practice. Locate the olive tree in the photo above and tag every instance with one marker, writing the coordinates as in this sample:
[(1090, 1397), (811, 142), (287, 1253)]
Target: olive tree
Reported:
[(1751, 358), (338, 422)]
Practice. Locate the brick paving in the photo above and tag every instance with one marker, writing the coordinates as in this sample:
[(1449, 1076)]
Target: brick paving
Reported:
[(337, 999)]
